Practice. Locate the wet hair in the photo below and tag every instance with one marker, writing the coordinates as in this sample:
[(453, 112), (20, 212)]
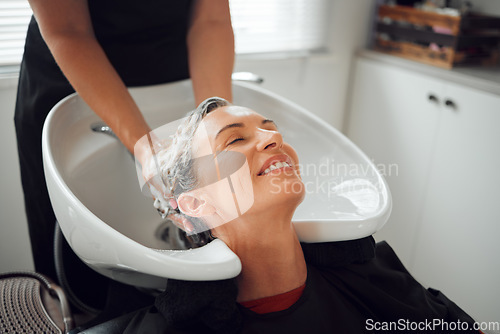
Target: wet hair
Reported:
[(176, 163)]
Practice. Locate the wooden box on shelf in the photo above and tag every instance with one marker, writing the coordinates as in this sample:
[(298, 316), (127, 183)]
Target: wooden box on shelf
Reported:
[(438, 38)]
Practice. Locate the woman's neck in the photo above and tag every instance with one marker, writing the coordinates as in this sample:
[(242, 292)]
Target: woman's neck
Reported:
[(271, 264)]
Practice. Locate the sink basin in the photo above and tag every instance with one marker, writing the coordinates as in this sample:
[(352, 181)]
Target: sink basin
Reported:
[(113, 227)]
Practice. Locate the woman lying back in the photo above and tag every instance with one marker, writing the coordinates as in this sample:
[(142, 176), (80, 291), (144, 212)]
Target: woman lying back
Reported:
[(229, 171)]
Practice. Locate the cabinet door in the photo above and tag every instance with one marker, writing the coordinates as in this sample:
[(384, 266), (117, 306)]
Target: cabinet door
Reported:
[(458, 247), (393, 121)]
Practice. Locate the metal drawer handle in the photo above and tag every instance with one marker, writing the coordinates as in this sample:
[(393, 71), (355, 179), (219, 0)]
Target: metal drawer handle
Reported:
[(433, 98), (451, 104)]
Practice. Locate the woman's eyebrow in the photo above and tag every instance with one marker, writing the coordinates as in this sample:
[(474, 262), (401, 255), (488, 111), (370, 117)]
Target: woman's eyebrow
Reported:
[(265, 121), (241, 125), (229, 126)]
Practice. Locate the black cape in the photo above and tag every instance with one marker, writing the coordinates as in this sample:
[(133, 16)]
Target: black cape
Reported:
[(352, 287)]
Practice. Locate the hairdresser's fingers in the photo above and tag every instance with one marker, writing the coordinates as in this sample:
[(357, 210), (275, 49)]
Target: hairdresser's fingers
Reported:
[(152, 157), (152, 174), (182, 222)]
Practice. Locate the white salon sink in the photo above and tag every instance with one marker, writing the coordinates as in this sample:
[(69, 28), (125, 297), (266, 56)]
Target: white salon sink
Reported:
[(113, 227)]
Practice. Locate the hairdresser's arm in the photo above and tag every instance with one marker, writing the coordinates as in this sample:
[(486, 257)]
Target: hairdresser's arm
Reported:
[(67, 29), (211, 49)]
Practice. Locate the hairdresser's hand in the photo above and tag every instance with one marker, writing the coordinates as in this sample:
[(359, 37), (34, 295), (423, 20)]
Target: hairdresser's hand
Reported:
[(181, 222), (163, 200), (148, 151), (70, 36)]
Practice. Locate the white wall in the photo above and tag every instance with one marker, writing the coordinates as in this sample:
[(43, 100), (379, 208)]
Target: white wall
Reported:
[(318, 82), (15, 249), (490, 7)]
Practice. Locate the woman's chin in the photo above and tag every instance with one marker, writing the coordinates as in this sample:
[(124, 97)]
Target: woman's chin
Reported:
[(281, 191)]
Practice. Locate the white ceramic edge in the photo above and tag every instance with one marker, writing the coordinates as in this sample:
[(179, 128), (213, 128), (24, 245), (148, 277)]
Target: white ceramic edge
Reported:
[(130, 255), (218, 261)]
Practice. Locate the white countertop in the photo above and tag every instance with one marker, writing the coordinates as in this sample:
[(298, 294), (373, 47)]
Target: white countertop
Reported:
[(483, 78)]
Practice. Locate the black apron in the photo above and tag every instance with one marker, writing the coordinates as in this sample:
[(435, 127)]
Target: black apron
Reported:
[(146, 43)]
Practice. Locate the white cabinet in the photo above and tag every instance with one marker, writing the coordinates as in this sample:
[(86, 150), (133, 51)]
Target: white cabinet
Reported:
[(444, 139), (395, 123)]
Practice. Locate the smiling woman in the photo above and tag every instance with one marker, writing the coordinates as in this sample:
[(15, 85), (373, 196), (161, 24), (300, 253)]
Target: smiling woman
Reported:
[(242, 147), (284, 285), (210, 168)]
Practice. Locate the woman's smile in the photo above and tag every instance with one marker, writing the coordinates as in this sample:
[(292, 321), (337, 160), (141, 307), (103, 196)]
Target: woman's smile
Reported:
[(276, 164)]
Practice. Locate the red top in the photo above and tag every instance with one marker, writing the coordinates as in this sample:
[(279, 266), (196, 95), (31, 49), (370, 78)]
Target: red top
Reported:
[(274, 303)]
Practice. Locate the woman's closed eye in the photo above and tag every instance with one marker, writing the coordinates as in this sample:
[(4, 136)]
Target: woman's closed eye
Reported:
[(235, 140)]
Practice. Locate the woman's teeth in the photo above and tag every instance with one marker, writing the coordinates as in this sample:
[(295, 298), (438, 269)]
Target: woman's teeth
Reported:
[(276, 166)]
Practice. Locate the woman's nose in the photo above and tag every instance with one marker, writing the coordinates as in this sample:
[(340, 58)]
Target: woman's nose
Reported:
[(269, 139)]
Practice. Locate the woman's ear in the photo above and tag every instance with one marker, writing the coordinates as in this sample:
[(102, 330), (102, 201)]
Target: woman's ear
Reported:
[(194, 205)]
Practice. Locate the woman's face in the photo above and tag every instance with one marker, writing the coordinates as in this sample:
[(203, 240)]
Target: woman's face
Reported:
[(256, 170)]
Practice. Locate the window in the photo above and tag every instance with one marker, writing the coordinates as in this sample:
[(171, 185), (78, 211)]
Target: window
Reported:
[(271, 26), (14, 18), (260, 26)]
